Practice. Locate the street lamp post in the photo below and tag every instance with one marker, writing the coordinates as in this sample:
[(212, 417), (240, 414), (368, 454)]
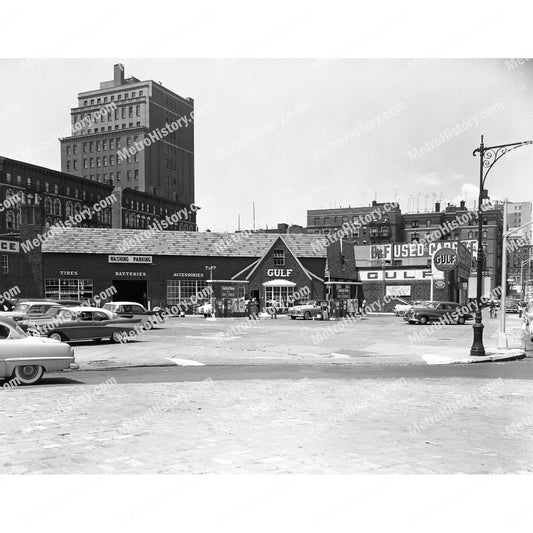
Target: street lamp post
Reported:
[(488, 155), (211, 268)]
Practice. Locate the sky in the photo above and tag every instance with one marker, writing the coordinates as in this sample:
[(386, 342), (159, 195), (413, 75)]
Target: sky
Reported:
[(297, 134)]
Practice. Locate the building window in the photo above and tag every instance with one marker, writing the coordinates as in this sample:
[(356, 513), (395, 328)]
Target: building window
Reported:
[(5, 264), (279, 258), (104, 145), (56, 188), (183, 290), (414, 224), (68, 149), (105, 161), (415, 236), (68, 289), (85, 163), (75, 164), (111, 144), (68, 165), (8, 177), (283, 295), (75, 149), (128, 175)]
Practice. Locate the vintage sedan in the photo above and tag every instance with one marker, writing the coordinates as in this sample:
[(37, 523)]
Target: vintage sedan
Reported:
[(84, 323), (309, 310), (28, 309), (24, 359), (130, 310), (449, 312), (403, 307)]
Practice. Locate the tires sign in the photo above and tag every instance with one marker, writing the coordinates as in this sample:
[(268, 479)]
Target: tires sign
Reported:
[(445, 259)]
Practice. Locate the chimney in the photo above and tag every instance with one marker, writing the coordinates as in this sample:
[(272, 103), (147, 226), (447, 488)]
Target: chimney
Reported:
[(374, 203), (437, 207), (462, 205), (119, 74)]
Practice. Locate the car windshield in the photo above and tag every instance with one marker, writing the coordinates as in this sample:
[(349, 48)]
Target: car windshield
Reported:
[(311, 302), (21, 308)]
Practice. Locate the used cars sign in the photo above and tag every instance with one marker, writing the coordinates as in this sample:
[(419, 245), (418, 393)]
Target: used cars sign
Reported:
[(445, 259)]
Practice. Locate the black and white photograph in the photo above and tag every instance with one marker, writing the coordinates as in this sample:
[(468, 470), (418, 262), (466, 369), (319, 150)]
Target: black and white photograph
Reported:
[(298, 270)]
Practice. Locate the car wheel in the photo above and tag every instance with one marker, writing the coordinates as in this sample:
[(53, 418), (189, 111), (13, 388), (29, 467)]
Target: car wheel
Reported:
[(461, 320), (423, 320), (148, 325), (57, 336), (400, 313), (293, 318), (29, 374), (117, 336), (307, 315)]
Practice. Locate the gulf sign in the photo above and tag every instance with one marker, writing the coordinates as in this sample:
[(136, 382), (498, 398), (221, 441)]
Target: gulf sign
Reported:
[(445, 259)]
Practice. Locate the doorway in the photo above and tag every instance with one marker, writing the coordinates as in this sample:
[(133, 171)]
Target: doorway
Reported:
[(131, 291)]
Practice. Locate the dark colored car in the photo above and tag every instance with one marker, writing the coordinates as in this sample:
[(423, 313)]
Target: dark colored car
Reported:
[(84, 323), (512, 305), (435, 311)]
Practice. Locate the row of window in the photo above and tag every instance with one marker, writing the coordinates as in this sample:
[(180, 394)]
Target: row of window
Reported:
[(123, 126), (103, 100), (317, 221), (5, 264), (103, 161), (111, 176), (53, 188)]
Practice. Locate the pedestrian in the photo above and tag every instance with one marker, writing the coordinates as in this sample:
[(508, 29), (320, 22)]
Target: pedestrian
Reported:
[(492, 308), (274, 310), (363, 307)]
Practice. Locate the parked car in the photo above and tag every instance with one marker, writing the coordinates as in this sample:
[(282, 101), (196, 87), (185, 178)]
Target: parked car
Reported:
[(205, 309), (6, 304), (130, 310), (26, 358), (434, 311), (512, 305), (29, 308), (32, 321), (400, 309), (84, 323), (308, 310)]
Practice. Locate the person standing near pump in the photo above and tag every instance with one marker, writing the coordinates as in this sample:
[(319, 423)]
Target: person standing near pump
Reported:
[(363, 307)]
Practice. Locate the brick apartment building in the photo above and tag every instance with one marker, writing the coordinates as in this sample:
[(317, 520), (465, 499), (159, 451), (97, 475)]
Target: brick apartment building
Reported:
[(59, 196)]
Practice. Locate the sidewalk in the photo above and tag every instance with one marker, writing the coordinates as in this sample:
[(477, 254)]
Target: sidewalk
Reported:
[(378, 340)]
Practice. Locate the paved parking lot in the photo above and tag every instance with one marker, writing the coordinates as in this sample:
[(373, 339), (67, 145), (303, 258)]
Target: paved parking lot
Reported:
[(376, 339)]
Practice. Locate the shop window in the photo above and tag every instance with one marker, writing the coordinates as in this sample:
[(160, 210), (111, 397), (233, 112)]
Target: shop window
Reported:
[(283, 295), (5, 264), (68, 289), (279, 258), (182, 291)]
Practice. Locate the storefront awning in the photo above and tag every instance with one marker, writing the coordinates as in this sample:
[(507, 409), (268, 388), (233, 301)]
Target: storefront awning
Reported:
[(279, 283)]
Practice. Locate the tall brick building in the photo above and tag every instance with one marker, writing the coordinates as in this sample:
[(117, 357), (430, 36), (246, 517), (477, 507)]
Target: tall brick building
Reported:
[(120, 114)]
